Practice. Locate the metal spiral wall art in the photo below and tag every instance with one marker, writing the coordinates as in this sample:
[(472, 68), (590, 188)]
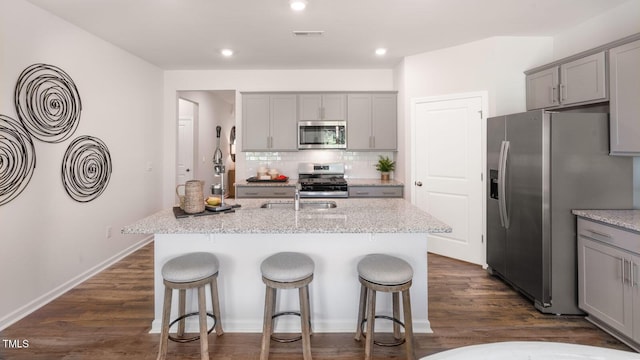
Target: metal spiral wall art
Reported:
[(86, 168), (17, 158), (48, 103)]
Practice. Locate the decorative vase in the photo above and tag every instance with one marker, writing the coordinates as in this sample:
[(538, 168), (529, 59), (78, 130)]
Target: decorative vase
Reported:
[(384, 176)]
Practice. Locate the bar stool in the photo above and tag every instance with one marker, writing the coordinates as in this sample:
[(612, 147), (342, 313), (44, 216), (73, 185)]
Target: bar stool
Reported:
[(287, 270), (190, 271), (379, 272)]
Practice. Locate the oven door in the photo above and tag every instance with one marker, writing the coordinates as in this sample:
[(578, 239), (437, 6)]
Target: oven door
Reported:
[(322, 135)]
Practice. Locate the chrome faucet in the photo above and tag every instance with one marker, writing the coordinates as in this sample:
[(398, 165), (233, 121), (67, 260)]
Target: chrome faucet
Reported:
[(296, 198)]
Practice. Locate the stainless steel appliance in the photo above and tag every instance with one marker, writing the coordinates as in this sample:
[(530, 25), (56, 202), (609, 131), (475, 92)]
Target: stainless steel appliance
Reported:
[(541, 165), (322, 135), (322, 180)]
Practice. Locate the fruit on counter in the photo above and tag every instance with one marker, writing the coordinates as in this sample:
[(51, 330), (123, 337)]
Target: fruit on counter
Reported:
[(213, 201), (281, 177)]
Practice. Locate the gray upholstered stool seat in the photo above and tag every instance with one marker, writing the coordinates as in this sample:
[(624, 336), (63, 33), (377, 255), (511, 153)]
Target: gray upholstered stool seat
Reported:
[(384, 269), (190, 271), (287, 270), (287, 267), (380, 272), (190, 267)]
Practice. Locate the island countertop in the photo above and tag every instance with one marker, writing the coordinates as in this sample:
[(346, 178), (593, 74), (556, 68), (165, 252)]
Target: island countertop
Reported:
[(350, 216)]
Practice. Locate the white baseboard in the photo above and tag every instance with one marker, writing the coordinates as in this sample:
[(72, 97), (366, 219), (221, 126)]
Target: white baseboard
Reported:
[(46, 298)]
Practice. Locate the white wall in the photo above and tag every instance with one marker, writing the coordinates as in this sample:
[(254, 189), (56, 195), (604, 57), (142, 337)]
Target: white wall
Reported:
[(253, 80), (617, 23), (49, 241), (494, 65)]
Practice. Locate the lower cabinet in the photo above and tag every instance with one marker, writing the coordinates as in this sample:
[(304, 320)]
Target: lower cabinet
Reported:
[(376, 191), (243, 191), (608, 278)]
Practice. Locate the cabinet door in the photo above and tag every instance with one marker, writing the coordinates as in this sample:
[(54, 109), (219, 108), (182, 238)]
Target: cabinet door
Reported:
[(384, 124), (310, 106), (624, 77), (255, 122), (283, 122), (542, 89), (603, 292), (635, 283), (359, 121), (333, 107), (583, 80), (376, 191)]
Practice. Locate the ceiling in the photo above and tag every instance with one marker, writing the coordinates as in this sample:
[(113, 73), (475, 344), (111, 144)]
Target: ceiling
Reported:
[(189, 34)]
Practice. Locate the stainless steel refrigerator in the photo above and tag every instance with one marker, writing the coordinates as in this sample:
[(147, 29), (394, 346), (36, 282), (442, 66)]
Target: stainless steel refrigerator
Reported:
[(542, 165)]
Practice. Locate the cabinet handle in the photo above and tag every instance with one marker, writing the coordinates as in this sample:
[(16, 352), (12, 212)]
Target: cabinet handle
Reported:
[(554, 98), (626, 272), (362, 193), (373, 143), (634, 268), (599, 233), (563, 93)]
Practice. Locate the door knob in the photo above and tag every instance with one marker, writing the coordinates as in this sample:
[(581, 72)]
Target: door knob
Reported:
[(188, 170), (418, 183)]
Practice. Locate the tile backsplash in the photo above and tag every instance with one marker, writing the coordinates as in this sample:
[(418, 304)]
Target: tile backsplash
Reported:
[(358, 164)]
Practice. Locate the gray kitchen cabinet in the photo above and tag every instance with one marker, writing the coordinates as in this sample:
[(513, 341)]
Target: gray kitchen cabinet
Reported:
[(576, 82), (542, 88), (248, 191), (608, 261), (322, 107), (624, 106), (269, 122), (372, 121), (376, 191)]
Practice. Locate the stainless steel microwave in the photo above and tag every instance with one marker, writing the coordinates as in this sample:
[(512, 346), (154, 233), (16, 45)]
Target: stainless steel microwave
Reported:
[(322, 135)]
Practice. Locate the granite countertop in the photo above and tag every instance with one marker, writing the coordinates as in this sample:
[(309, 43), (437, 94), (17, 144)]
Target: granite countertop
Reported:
[(350, 182), (350, 216), (627, 219)]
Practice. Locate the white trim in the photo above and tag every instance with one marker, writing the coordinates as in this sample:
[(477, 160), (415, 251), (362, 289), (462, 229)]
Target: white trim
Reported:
[(46, 298)]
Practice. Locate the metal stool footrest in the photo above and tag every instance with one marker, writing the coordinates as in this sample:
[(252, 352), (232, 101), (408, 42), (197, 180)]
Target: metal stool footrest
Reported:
[(380, 343), (286, 340), (186, 340)]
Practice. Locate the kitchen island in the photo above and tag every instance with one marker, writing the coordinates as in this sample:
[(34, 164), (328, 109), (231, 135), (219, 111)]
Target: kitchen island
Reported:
[(336, 238)]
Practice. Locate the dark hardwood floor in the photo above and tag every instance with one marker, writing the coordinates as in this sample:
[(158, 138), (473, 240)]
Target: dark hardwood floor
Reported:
[(109, 317)]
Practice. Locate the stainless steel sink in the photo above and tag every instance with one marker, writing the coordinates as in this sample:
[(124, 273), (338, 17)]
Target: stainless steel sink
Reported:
[(303, 205)]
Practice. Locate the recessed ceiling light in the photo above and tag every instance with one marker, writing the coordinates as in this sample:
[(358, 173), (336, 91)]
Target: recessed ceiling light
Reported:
[(381, 51), (226, 52), (298, 5)]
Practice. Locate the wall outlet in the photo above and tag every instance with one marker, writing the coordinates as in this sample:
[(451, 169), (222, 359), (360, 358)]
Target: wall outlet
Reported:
[(108, 232)]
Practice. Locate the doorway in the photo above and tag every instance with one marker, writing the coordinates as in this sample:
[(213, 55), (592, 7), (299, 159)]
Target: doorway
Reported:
[(187, 118), (447, 171), (211, 108)]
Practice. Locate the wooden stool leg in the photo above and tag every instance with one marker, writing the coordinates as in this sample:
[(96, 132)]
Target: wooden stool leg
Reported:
[(215, 303), (408, 324), (164, 334), (305, 319), (267, 324), (371, 320), (202, 310), (396, 314), (182, 295), (361, 311)]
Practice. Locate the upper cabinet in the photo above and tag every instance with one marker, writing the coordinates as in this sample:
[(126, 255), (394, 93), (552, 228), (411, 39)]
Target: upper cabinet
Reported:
[(624, 76), (269, 122), (577, 82), (372, 121), (322, 107)]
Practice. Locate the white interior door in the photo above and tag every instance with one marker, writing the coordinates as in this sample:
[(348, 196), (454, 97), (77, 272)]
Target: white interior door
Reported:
[(447, 171), (185, 150)]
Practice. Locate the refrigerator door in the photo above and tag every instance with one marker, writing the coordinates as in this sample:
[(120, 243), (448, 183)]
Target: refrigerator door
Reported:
[(527, 205), (496, 233)]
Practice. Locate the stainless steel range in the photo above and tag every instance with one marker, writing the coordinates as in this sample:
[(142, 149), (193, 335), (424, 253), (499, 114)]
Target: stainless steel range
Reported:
[(322, 180)]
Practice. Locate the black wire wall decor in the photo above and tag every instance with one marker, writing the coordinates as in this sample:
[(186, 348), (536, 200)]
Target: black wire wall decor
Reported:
[(47, 102), (17, 158), (86, 168)]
